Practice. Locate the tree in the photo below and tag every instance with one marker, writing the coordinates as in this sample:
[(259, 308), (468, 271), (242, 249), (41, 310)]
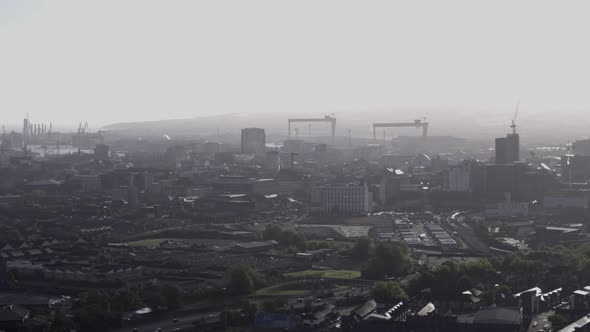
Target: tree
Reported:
[(292, 238), (59, 322), (12, 280), (389, 292), (272, 232), (172, 296), (155, 301), (93, 318), (249, 309), (418, 283), (388, 260), (557, 320), (240, 281), (274, 304), (243, 280), (361, 249), (284, 237), (124, 300)]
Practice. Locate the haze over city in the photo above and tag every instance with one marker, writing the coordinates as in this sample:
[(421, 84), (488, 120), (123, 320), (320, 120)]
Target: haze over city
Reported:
[(117, 61), (323, 166)]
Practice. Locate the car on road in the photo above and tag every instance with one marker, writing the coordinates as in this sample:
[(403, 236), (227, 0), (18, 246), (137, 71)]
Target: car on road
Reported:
[(175, 320)]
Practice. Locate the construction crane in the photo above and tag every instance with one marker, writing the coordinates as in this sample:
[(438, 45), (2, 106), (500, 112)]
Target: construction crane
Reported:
[(418, 123), (513, 125), (327, 118)]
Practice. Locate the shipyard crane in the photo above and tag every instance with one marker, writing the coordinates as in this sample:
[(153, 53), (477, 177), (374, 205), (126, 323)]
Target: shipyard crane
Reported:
[(327, 118), (513, 125), (418, 123)]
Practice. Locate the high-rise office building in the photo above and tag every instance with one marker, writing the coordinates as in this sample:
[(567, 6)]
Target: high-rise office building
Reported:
[(253, 141), (507, 149)]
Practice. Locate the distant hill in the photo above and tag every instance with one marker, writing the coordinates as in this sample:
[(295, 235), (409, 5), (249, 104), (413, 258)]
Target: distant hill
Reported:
[(558, 127)]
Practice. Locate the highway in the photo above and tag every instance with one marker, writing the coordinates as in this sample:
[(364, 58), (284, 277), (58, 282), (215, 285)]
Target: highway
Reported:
[(185, 323)]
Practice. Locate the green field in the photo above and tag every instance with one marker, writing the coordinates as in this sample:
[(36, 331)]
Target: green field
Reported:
[(328, 274), (149, 242), (281, 291)]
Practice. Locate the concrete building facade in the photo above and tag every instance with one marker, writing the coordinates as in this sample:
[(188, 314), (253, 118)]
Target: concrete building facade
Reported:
[(345, 199), (253, 141)]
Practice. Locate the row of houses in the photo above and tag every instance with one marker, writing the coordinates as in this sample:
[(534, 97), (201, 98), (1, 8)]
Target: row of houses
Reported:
[(27, 268)]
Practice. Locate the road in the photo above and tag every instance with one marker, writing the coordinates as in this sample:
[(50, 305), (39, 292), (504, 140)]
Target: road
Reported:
[(463, 230), (185, 323), (212, 312)]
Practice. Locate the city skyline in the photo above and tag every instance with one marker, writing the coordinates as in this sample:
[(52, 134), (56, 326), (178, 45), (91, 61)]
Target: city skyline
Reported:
[(321, 166)]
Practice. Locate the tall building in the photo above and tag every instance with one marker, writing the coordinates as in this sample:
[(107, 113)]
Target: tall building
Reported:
[(575, 168), (506, 178), (500, 150), (507, 149), (253, 141), (391, 183)]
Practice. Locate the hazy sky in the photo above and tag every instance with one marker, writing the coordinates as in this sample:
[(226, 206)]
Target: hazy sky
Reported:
[(105, 61)]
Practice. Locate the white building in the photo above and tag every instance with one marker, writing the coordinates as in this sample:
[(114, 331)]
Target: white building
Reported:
[(345, 199)]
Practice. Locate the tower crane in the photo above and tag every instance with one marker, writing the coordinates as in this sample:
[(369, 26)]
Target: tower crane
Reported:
[(513, 125)]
